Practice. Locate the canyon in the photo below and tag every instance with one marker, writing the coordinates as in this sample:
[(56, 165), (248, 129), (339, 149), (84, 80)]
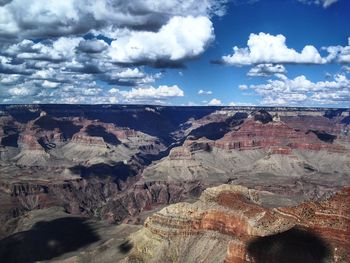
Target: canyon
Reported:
[(174, 184)]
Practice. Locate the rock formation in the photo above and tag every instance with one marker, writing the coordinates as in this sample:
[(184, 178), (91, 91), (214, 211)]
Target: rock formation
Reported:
[(231, 219)]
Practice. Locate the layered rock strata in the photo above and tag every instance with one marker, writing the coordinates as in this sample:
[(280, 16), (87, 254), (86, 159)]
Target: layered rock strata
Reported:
[(234, 218)]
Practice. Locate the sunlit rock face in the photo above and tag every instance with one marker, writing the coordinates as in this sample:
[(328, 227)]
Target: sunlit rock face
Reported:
[(240, 224)]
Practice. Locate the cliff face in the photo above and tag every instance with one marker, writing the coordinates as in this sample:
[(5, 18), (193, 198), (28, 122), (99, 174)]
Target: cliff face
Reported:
[(240, 218), (257, 135), (115, 201), (250, 148)]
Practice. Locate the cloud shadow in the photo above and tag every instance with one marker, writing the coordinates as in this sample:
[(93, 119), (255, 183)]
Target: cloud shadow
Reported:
[(294, 245), (46, 240)]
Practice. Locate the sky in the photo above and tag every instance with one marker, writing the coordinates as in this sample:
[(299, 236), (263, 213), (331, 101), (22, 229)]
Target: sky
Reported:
[(176, 52)]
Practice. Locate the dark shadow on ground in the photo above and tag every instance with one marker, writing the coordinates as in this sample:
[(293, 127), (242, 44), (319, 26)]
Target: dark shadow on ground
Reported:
[(292, 246), (96, 130), (217, 130), (346, 120), (67, 127), (153, 120), (10, 140), (125, 247), (323, 136), (46, 240), (119, 171)]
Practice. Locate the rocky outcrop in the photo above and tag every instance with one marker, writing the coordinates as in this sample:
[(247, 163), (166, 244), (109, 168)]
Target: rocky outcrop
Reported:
[(88, 140), (329, 219), (28, 141), (240, 216), (115, 199)]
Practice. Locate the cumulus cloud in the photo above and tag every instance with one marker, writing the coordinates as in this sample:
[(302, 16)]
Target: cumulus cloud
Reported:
[(59, 50), (93, 46), (324, 3), (180, 38), (205, 92), (151, 93), (9, 79), (264, 70), (340, 54), (45, 19), (130, 77), (59, 46), (50, 84), (91, 94), (21, 91), (130, 73), (264, 48), (300, 90), (215, 102), (146, 95)]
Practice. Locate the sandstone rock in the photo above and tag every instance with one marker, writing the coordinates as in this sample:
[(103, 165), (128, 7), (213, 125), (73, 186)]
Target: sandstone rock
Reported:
[(236, 213)]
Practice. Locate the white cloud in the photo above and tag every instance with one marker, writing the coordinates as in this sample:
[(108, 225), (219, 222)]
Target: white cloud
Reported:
[(113, 90), (146, 95), (50, 84), (301, 91), (21, 91), (61, 49), (41, 42), (131, 77), (42, 18), (44, 73), (339, 53), (95, 91), (204, 92), (151, 93), (215, 102), (324, 3), (264, 70), (243, 87), (265, 48), (180, 38), (9, 79), (236, 104), (130, 73)]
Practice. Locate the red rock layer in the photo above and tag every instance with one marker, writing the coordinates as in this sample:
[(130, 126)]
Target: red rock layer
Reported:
[(119, 132), (85, 139), (255, 135), (28, 141), (330, 219), (235, 211)]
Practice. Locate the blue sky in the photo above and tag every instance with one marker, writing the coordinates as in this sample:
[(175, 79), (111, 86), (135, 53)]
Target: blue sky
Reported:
[(290, 52)]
